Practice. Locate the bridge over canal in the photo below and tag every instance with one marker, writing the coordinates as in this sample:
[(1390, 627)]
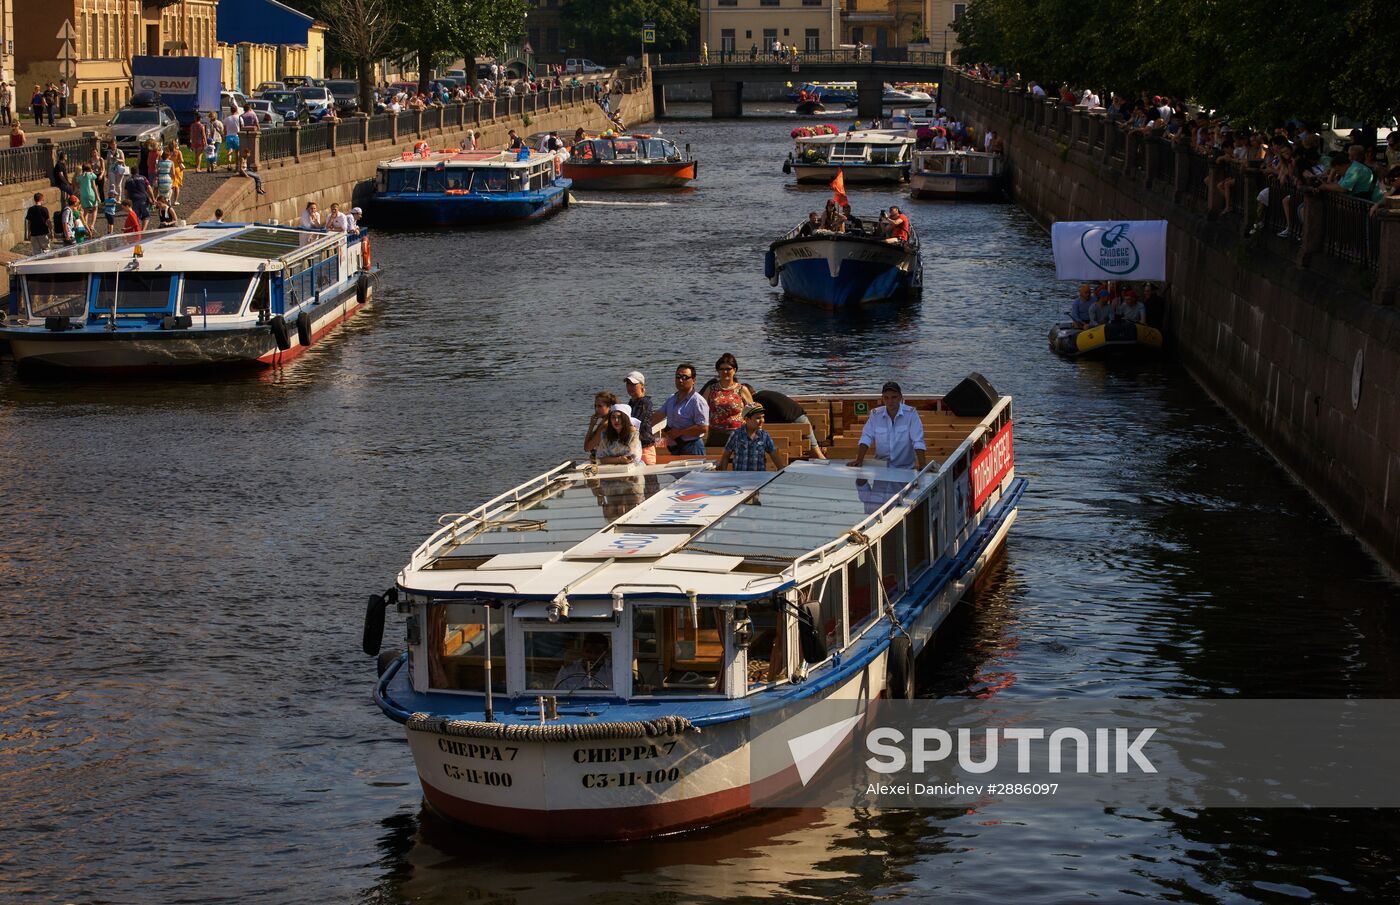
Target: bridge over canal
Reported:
[(870, 69)]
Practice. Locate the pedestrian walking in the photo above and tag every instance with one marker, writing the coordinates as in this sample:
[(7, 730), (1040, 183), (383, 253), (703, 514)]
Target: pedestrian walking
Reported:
[(37, 224), (7, 98)]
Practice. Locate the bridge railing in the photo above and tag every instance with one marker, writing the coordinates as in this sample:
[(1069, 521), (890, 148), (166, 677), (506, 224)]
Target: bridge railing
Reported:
[(751, 57)]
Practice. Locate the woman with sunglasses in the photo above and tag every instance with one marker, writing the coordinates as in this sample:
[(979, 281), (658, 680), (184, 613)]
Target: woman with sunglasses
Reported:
[(727, 399)]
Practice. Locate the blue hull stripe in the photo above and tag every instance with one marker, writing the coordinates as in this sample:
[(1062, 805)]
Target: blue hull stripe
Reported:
[(859, 282)]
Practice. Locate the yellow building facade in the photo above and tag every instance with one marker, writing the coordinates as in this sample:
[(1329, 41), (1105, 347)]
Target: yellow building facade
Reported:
[(741, 27), (940, 16)]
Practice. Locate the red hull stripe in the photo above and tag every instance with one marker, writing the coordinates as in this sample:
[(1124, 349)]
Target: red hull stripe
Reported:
[(599, 824), (276, 357)]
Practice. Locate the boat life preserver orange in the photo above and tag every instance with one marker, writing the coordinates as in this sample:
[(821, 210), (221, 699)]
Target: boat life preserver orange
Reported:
[(641, 135), (558, 164), (364, 252)]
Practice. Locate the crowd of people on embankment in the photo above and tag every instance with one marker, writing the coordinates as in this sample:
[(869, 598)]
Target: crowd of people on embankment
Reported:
[(1292, 154)]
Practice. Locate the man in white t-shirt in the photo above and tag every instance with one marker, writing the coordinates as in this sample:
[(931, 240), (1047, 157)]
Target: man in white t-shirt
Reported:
[(231, 141)]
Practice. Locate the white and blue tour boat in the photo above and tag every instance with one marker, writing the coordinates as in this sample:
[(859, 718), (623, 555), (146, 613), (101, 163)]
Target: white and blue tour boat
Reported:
[(469, 188), (866, 156), (840, 270), (212, 294), (956, 175), (588, 653)]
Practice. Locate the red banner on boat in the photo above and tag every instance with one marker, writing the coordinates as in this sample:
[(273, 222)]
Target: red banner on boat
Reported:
[(990, 466)]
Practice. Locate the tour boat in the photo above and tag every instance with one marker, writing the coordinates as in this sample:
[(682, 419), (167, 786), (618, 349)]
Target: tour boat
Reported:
[(590, 655), (838, 270), (1114, 337), (468, 188), (864, 155), (826, 92), (956, 174), (212, 294), (635, 161)]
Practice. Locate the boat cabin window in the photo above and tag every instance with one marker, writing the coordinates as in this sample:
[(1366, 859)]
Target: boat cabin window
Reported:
[(604, 150), (918, 538), (568, 660), (672, 654), (831, 608), (584, 150), (656, 148), (490, 180), (298, 285), (892, 560), (327, 268), (627, 148), (848, 152), (262, 295), (886, 153), (935, 163), (134, 291), (537, 179), (863, 596), (768, 649), (403, 179), (457, 647), (447, 179), (213, 294), (57, 294)]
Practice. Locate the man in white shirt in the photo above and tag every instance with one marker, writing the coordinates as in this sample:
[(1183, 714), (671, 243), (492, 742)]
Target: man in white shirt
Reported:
[(231, 139), (894, 430), (352, 220)]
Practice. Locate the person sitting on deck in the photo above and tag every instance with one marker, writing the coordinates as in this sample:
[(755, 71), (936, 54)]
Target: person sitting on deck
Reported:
[(894, 430), (853, 223), (899, 224), (1102, 311), (621, 442), (828, 217), (1132, 309), (1081, 312), (750, 447), (514, 142), (814, 223), (687, 416), (592, 671)]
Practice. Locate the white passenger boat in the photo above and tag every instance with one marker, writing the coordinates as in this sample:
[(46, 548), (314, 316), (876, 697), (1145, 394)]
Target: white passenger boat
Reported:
[(588, 652), (956, 175), (865, 156), (215, 294)]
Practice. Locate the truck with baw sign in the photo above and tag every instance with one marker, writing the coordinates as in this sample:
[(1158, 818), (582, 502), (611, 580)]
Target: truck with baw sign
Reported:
[(188, 85)]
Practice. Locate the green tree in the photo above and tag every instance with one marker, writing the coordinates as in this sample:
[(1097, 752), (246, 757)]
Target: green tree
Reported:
[(435, 32), (612, 29)]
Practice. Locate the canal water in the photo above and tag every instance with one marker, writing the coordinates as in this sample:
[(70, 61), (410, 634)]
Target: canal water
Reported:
[(185, 714)]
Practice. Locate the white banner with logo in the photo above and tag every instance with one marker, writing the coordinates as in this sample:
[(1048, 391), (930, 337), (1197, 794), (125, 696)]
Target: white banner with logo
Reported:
[(1110, 249)]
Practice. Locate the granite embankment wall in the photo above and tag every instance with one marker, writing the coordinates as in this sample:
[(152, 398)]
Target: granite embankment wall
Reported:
[(346, 173), (1303, 350)]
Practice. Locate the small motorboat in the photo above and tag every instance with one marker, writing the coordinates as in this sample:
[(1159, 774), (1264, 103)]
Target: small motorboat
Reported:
[(809, 104), (839, 270), (629, 161), (866, 156), (956, 175), (1117, 337)]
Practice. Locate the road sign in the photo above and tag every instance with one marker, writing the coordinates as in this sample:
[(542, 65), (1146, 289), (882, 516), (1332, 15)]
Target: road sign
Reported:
[(66, 56), (67, 32), (648, 35)]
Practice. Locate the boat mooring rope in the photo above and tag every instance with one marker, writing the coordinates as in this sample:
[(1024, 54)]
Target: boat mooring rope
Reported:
[(559, 732)]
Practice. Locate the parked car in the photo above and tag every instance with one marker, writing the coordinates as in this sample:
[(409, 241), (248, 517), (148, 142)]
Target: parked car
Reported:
[(580, 65), (134, 125), (316, 99), (267, 114), (269, 86), (287, 105), (302, 81), (232, 102), (346, 93), (1336, 132)]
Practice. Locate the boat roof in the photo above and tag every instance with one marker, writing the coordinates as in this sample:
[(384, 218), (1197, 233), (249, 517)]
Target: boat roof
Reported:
[(860, 136), (658, 532), (205, 247), (455, 158)]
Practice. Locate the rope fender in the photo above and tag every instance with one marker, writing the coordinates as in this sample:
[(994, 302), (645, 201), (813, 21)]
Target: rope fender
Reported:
[(565, 732)]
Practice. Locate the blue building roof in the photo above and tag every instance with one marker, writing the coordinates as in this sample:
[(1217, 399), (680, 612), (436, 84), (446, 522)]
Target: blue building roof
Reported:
[(261, 22)]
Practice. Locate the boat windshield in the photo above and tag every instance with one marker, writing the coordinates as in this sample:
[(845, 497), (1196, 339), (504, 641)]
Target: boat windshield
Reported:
[(214, 294), (144, 292), (56, 294)]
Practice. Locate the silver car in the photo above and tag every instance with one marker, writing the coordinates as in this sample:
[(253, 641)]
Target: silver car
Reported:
[(268, 116), (132, 126)]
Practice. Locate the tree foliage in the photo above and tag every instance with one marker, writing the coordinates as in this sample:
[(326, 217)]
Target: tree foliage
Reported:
[(612, 29), (1259, 60)]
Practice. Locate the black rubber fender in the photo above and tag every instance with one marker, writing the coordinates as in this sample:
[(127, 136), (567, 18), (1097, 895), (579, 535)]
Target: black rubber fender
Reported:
[(304, 328), (374, 621), (810, 636), (280, 332), (899, 668)]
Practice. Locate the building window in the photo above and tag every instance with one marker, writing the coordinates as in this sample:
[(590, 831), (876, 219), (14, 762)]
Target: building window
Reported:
[(551, 40), (858, 35), (728, 2), (785, 32), (106, 100), (748, 34), (814, 40), (726, 41), (850, 6), (532, 37), (812, 2), (767, 2), (958, 10), (881, 39)]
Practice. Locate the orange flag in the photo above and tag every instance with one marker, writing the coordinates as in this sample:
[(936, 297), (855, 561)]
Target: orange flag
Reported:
[(838, 189)]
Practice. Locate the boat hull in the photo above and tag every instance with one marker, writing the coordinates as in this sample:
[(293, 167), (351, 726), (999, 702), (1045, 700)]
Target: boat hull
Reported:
[(613, 177), (440, 210), (254, 346), (952, 186), (854, 174), (843, 272), (610, 788), (1113, 338)]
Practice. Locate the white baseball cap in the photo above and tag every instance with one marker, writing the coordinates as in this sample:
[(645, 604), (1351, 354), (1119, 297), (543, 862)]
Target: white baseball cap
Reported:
[(636, 377)]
